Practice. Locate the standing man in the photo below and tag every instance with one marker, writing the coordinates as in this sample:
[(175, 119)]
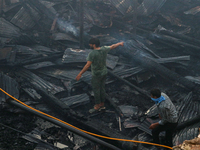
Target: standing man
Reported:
[(167, 114), (97, 60)]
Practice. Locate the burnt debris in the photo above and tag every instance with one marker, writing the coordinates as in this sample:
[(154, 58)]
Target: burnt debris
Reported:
[(44, 45)]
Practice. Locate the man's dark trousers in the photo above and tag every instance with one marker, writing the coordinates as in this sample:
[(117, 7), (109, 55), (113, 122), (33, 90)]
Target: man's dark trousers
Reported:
[(98, 86), (169, 128)]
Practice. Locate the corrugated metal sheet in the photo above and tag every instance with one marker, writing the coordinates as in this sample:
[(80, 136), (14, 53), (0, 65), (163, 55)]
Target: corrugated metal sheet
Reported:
[(39, 82), (24, 52), (147, 7), (43, 49), (25, 18), (39, 65), (10, 86), (172, 19), (77, 100), (183, 108), (144, 126), (27, 53), (152, 111), (63, 36), (32, 93), (7, 30), (77, 55), (14, 1), (127, 72), (67, 74), (130, 123), (146, 138), (49, 5), (187, 133), (96, 18), (193, 79), (129, 111), (124, 6)]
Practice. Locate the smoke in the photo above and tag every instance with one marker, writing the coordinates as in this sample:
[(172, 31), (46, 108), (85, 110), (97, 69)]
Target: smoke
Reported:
[(67, 27)]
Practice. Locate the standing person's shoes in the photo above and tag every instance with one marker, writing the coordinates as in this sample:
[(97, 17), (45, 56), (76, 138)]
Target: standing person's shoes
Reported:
[(97, 107)]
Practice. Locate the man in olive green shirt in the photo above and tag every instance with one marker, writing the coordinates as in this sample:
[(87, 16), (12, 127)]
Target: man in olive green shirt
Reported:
[(97, 60)]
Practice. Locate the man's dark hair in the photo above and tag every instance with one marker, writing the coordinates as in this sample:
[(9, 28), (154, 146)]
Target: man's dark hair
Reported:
[(95, 41), (156, 92)]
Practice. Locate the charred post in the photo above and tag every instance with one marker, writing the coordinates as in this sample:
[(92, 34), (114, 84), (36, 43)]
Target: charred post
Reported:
[(81, 21)]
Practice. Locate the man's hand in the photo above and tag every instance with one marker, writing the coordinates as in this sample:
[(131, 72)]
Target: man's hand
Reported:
[(78, 77), (116, 45), (154, 125), (85, 68), (121, 43)]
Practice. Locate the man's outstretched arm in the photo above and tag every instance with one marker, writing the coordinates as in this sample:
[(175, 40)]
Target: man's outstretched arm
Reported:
[(116, 45), (85, 68)]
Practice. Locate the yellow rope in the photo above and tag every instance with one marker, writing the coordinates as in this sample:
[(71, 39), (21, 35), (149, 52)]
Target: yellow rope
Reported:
[(105, 137)]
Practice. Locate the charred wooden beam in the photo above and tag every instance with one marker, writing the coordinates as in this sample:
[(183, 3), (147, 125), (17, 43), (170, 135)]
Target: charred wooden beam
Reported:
[(53, 24), (134, 16), (56, 122), (173, 41), (1, 7), (167, 44), (119, 112), (172, 59), (30, 136), (100, 128), (180, 36), (81, 19)]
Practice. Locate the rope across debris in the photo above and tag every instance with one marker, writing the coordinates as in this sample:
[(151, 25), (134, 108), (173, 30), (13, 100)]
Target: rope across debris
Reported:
[(90, 133)]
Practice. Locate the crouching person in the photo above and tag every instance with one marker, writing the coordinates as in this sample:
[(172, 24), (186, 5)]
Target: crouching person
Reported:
[(167, 114)]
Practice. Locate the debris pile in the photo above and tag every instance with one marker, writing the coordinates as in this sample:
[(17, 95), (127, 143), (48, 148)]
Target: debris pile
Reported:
[(40, 57)]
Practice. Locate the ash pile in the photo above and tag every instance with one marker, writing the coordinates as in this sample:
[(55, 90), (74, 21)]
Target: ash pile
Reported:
[(42, 52)]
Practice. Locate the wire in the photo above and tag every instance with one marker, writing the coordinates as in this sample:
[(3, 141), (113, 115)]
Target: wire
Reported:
[(90, 133)]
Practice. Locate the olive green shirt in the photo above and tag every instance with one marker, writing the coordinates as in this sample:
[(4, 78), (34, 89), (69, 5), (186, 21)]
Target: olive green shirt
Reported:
[(98, 59)]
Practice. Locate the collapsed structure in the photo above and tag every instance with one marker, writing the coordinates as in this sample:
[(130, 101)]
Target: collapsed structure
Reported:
[(40, 58)]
